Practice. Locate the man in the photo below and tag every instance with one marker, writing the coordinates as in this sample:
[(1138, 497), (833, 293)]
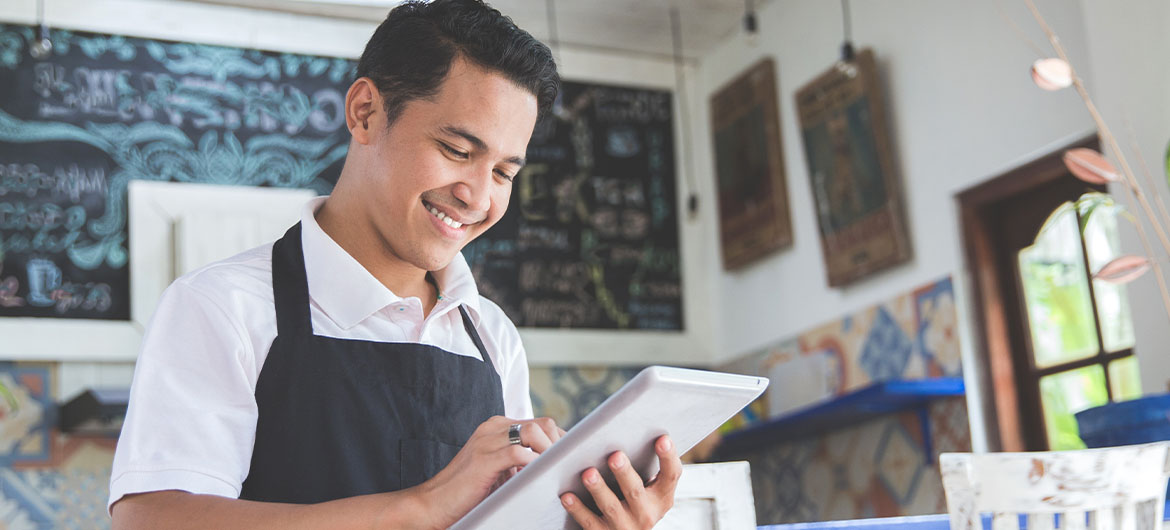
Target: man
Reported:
[(349, 375)]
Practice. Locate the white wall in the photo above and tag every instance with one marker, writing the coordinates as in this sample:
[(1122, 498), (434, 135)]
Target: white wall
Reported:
[(963, 109), (1130, 83), (214, 24)]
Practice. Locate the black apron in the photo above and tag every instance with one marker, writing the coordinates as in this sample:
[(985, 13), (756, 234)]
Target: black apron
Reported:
[(340, 418)]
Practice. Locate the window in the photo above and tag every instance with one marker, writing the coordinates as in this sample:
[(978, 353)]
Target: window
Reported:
[(1081, 338), (1050, 340)]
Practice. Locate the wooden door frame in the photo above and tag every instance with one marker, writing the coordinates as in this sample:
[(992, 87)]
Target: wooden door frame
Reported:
[(994, 311)]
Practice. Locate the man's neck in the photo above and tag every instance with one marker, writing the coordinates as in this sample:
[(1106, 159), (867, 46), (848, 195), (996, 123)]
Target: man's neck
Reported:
[(401, 278)]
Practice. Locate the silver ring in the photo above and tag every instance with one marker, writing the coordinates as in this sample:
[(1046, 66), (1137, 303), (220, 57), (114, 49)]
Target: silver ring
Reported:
[(514, 434)]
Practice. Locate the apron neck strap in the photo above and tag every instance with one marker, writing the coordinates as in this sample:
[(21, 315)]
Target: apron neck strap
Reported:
[(470, 327), (290, 285)]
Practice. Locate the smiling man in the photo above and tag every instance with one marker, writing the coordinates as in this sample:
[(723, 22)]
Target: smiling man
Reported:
[(349, 375)]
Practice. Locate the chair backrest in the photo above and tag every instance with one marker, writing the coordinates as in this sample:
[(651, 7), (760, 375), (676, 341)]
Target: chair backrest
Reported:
[(712, 497), (1113, 488)]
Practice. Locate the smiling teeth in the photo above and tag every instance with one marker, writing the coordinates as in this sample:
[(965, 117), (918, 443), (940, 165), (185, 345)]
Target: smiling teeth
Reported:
[(443, 217)]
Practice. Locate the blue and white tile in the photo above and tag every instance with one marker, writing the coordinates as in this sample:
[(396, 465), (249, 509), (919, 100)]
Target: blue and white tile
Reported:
[(938, 327), (84, 485), (887, 348), (568, 393), (819, 481), (30, 497), (27, 413), (899, 462), (779, 481), (546, 400)]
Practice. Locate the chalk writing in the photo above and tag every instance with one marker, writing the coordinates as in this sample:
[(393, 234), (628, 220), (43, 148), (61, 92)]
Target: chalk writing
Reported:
[(556, 313), (9, 285), (543, 237), (662, 290), (102, 110), (637, 106), (71, 181), (554, 277), (88, 296)]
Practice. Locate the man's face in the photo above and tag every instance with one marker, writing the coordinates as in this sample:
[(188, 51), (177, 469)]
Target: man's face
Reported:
[(442, 174)]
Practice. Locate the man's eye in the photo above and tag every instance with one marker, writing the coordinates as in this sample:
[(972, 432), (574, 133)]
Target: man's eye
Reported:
[(454, 152), (506, 176)]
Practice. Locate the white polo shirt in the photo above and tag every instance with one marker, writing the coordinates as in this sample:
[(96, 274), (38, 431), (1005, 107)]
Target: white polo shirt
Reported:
[(191, 423)]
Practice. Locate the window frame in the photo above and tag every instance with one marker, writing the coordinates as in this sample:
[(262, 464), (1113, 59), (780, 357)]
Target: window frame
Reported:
[(998, 218)]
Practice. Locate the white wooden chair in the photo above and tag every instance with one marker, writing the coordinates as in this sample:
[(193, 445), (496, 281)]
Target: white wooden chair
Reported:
[(712, 497), (1114, 488)]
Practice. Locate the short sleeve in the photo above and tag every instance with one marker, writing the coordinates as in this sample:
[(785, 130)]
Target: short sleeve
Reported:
[(191, 421), (517, 400), (512, 361)]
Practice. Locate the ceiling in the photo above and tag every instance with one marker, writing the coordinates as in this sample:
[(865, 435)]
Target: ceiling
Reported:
[(632, 26)]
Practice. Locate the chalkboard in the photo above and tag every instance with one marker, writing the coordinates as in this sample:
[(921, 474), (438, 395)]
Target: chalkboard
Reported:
[(102, 110), (590, 239)]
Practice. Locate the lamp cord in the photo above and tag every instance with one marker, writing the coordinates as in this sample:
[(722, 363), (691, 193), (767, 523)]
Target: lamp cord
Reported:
[(681, 89)]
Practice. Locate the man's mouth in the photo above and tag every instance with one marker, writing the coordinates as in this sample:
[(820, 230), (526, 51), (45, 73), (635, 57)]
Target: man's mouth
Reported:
[(447, 220)]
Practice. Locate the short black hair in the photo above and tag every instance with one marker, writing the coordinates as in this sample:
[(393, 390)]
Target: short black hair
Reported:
[(411, 52)]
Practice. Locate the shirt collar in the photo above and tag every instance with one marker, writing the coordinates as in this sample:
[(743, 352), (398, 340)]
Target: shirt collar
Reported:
[(458, 285), (348, 293)]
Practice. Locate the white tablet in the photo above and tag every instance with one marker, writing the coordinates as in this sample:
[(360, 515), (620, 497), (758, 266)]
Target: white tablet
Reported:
[(686, 404)]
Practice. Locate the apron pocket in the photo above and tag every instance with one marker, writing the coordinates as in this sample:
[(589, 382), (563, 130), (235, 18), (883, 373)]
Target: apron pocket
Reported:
[(420, 460)]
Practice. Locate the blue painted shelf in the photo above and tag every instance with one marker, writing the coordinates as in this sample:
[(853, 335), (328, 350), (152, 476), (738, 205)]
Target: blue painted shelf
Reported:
[(879, 399)]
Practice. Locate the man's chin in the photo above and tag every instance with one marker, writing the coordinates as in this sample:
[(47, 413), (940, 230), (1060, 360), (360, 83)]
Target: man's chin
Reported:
[(437, 263), (439, 256)]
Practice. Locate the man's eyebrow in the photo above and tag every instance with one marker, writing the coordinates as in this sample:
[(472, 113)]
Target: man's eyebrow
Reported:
[(477, 142)]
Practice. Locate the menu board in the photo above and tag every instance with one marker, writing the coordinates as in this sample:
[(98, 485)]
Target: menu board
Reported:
[(101, 110), (590, 240)]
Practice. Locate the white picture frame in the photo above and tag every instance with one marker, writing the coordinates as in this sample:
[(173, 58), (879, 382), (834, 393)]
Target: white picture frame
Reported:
[(164, 220)]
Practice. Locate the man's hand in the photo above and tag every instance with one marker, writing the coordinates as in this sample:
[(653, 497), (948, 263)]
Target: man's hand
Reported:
[(644, 505), (485, 461)]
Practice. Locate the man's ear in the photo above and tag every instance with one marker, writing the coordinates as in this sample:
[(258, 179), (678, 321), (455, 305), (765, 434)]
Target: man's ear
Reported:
[(361, 103)]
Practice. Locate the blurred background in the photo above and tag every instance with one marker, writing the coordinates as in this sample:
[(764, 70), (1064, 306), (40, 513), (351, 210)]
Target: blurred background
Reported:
[(867, 201)]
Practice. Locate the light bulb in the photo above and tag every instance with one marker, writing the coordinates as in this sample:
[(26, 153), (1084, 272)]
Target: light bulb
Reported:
[(41, 48)]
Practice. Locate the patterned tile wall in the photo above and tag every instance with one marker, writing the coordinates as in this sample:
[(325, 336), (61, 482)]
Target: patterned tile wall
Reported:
[(878, 468), (47, 480), (912, 336), (875, 469)]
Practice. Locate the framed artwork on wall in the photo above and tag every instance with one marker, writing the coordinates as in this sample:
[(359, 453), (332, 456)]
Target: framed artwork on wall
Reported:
[(754, 217), (857, 194)]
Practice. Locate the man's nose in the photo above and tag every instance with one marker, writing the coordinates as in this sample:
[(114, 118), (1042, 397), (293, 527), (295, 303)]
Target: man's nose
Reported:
[(475, 191)]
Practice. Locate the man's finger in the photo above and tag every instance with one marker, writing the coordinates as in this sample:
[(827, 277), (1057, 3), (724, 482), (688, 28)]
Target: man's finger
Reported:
[(670, 469), (516, 456), (550, 429), (533, 436), (581, 513), (607, 502), (633, 489)]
